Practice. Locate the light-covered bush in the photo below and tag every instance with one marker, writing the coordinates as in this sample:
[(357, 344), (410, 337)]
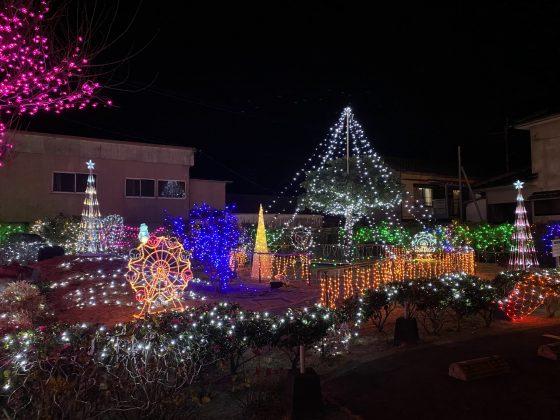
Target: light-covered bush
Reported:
[(22, 248), (21, 303)]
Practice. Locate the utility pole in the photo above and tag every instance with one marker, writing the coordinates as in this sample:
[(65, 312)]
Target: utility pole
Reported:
[(460, 184), (506, 141), (473, 197)]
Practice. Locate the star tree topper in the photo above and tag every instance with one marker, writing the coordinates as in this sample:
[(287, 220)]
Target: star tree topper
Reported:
[(90, 165), (518, 185)]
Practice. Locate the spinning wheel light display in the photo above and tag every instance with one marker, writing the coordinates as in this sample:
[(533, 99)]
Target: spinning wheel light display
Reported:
[(159, 271)]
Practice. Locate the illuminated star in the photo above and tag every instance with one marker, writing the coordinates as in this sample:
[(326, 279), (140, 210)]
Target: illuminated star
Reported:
[(518, 184), (90, 164)]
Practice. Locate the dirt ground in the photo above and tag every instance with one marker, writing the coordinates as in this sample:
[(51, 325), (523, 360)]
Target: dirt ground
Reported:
[(91, 290)]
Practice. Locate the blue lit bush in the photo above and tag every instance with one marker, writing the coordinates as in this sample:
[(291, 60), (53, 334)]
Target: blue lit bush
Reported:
[(210, 234)]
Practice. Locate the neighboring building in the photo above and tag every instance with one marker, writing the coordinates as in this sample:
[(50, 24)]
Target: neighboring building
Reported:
[(435, 188), (438, 193), (246, 209), (275, 220), (46, 175), (542, 180)]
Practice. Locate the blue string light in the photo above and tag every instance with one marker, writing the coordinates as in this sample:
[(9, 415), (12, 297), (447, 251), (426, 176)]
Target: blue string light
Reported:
[(210, 234)]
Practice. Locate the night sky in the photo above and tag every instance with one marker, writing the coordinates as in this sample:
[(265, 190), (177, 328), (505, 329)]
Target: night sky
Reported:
[(256, 88)]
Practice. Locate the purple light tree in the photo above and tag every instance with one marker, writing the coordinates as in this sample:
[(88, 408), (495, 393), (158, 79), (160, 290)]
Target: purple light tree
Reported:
[(40, 71)]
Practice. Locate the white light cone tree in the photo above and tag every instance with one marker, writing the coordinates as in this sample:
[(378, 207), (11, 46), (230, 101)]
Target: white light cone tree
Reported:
[(91, 238)]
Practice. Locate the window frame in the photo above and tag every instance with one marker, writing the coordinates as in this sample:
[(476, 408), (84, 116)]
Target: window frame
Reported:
[(538, 211), (75, 182), (184, 181), (140, 188), (420, 188)]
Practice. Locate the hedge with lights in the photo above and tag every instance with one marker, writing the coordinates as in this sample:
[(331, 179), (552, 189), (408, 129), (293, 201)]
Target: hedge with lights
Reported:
[(146, 367), (480, 236), (139, 366), (7, 229)]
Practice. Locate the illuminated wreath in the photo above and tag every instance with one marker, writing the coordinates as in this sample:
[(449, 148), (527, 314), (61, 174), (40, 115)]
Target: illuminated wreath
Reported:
[(302, 238), (159, 272)]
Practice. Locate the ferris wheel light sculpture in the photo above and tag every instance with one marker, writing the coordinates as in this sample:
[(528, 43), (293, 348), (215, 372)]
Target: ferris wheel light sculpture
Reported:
[(159, 272)]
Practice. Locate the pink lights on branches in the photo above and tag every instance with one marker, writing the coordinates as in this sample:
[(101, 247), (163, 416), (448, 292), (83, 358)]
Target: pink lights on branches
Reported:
[(36, 72)]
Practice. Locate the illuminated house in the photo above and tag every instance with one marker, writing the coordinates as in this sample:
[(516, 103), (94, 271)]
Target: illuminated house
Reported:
[(46, 175)]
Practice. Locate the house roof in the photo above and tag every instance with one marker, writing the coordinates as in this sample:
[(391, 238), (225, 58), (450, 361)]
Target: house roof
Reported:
[(505, 179), (422, 166), (532, 121), (249, 203), (95, 139)]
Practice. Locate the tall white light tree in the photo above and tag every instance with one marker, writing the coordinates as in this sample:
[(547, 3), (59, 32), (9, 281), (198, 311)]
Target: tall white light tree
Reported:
[(91, 238), (523, 255), (350, 180)]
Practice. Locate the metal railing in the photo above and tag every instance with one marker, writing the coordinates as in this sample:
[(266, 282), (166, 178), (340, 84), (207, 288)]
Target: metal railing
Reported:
[(335, 252)]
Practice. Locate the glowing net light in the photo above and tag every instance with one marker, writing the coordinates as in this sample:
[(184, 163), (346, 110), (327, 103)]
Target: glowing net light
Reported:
[(159, 272), (341, 283), (528, 294)]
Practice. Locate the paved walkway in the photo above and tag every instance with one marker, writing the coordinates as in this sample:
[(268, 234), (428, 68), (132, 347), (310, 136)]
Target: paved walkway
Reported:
[(414, 384)]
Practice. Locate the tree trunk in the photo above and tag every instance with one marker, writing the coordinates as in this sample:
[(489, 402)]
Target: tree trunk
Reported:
[(348, 233)]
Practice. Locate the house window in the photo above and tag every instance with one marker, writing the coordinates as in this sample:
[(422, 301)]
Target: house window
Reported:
[(140, 187), (456, 196), (547, 207), (171, 189), (81, 182), (69, 182), (424, 195)]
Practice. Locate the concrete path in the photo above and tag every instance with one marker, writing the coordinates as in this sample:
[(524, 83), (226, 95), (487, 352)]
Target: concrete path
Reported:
[(414, 384)]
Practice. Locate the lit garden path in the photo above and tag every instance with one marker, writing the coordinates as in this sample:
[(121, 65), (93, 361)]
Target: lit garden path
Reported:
[(250, 294)]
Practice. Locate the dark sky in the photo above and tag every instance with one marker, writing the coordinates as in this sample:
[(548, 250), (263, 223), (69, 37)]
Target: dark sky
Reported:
[(256, 88)]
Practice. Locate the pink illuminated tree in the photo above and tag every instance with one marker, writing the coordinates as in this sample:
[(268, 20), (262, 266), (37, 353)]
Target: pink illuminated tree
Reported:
[(523, 255), (40, 70)]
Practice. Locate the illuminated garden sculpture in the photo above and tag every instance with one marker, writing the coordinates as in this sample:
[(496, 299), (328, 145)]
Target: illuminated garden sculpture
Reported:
[(159, 272), (424, 245), (523, 255)]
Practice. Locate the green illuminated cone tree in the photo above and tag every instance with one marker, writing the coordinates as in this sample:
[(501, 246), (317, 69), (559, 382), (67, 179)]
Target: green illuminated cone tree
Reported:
[(523, 255), (91, 238)]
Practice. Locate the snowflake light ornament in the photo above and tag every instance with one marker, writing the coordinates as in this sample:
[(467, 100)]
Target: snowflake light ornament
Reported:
[(159, 272)]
